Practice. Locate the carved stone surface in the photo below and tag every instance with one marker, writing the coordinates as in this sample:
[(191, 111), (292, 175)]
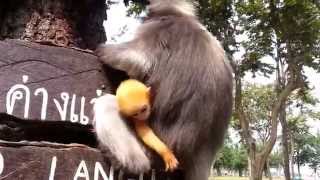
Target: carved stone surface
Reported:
[(55, 150), (51, 83), (32, 162), (35, 162)]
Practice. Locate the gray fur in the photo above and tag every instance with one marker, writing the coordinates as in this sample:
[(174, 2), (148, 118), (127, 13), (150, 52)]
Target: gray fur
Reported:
[(191, 80)]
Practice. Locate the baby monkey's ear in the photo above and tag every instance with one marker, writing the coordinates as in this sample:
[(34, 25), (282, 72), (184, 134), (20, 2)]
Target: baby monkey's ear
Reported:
[(149, 90)]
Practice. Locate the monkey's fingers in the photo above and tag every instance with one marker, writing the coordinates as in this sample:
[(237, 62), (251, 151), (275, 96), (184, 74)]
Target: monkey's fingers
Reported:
[(171, 162), (173, 165)]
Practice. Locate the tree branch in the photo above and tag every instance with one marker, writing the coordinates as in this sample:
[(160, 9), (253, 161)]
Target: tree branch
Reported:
[(291, 86)]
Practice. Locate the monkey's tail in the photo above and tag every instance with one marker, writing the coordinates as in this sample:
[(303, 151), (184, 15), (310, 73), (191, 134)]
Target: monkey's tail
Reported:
[(117, 138)]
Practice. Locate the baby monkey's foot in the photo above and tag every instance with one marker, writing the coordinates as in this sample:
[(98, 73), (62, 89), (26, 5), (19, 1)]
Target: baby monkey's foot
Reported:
[(170, 161)]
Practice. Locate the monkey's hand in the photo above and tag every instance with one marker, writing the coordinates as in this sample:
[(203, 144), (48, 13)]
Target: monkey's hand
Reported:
[(151, 140), (170, 160), (125, 57), (108, 54)]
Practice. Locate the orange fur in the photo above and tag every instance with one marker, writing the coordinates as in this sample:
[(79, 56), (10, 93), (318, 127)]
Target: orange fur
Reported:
[(133, 95), (150, 139)]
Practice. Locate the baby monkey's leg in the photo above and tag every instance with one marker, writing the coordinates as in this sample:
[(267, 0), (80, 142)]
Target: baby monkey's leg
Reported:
[(151, 140)]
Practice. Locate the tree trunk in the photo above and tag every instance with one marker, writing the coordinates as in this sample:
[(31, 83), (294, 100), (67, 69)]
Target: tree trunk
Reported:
[(219, 171), (281, 83), (257, 173), (55, 22), (268, 172), (240, 172), (249, 166), (256, 160), (299, 172), (257, 164), (285, 144), (292, 156)]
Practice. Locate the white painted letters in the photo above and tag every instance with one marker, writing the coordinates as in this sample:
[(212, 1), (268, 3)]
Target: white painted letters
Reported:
[(16, 93), (62, 110), (98, 168), (44, 101), (73, 116), (67, 104), (1, 163), (82, 171), (83, 118), (53, 168)]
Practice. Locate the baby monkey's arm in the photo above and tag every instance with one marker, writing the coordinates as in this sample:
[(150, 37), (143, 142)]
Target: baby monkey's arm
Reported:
[(151, 140)]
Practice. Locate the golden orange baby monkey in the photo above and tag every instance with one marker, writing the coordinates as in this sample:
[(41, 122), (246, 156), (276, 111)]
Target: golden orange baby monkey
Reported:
[(134, 104)]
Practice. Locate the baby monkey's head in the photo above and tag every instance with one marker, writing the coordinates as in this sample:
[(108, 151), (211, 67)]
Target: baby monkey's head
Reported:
[(134, 100)]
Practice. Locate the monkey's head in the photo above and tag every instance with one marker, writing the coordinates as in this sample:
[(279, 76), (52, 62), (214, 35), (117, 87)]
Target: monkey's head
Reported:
[(134, 100), (166, 7)]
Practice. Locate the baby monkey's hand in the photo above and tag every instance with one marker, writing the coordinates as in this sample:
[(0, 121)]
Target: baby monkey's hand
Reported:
[(170, 161)]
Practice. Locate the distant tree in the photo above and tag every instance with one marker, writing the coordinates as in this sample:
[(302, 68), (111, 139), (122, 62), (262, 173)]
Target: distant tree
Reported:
[(300, 140), (257, 103), (307, 151), (224, 159), (275, 160), (240, 159), (232, 157), (314, 162), (300, 110), (289, 33)]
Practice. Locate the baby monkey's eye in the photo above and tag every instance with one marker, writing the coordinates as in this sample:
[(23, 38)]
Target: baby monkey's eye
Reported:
[(143, 109), (136, 114)]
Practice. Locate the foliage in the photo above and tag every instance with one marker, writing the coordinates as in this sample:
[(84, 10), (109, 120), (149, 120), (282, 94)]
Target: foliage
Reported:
[(300, 110), (314, 162), (224, 158), (232, 157), (257, 103), (290, 26), (136, 9), (275, 159), (309, 151), (240, 159)]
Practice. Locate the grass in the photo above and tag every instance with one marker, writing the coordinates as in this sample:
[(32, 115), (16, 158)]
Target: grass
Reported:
[(228, 178), (239, 178)]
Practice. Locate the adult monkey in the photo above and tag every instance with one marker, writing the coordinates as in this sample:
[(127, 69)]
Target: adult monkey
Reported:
[(189, 76)]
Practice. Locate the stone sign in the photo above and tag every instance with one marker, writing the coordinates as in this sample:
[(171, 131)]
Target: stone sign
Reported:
[(48, 83)]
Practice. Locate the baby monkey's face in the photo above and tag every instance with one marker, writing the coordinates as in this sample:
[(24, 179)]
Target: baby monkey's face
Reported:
[(134, 100), (142, 113), (136, 107)]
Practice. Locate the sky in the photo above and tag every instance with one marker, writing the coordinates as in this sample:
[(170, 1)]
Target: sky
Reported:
[(117, 21)]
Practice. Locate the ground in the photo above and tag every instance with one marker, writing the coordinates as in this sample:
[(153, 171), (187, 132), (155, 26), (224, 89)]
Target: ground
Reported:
[(239, 178)]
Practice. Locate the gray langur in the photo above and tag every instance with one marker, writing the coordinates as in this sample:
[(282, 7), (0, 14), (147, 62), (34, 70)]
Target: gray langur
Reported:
[(190, 79)]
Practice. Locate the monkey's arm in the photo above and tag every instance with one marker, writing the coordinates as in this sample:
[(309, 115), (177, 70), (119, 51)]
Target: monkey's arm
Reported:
[(151, 140), (127, 57)]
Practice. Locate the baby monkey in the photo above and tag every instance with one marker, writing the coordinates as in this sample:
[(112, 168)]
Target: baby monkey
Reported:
[(134, 104)]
